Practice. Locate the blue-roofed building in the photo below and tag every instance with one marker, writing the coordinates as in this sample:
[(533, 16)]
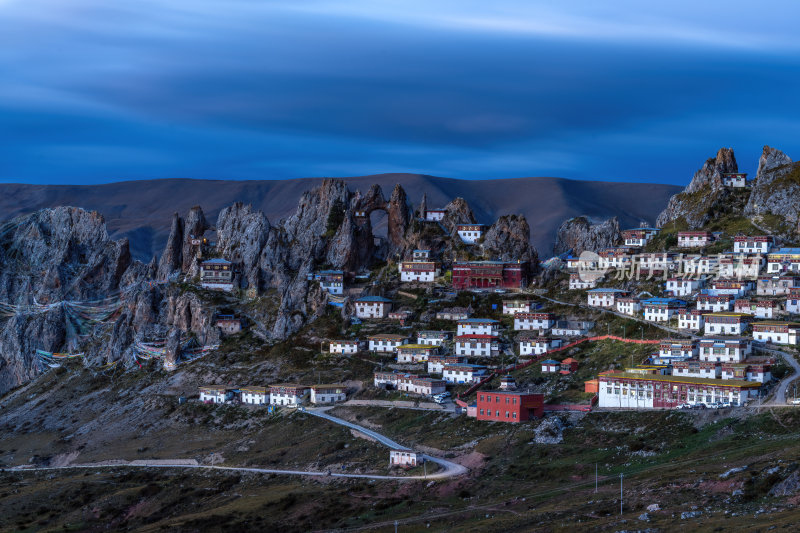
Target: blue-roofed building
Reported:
[(661, 309), (550, 366), (373, 307), (783, 260), (331, 281), (420, 255), (216, 274)]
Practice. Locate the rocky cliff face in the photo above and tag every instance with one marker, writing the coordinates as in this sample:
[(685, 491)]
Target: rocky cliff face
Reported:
[(705, 197), (457, 212), (579, 234), (508, 239), (776, 189)]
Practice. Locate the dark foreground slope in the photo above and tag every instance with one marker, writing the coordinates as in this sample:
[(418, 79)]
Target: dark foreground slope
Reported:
[(142, 210)]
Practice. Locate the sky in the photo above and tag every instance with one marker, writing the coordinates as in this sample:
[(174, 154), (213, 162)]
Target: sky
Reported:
[(96, 91)]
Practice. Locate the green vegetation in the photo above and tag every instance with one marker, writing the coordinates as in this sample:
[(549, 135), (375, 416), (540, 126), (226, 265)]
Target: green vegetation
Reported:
[(335, 218)]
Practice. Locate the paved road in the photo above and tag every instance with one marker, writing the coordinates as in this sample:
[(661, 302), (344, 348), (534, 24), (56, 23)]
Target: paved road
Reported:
[(449, 469), (780, 391)]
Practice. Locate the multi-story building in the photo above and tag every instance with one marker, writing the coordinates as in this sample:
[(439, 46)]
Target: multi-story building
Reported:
[(571, 328), (373, 307), (534, 321), (454, 313), (752, 244), (675, 350), (639, 237), (470, 233), (724, 350), (420, 271), (477, 345), (776, 285), (740, 266), (656, 262), (715, 303), (683, 286), (386, 342), (490, 275), (783, 260), (287, 394), (691, 319), (734, 287), (331, 281), (661, 309), (618, 258), (736, 180), (213, 393), (421, 255), (580, 281), (433, 338), (776, 332), (655, 391), (604, 297), (509, 406), (216, 274), (694, 239), (415, 353), (757, 308), (434, 215), (512, 307), (726, 323), (628, 305), (330, 393), (793, 301), (696, 369), (537, 345), (436, 363), (698, 265), (463, 373), (344, 346), (478, 326), (254, 395)]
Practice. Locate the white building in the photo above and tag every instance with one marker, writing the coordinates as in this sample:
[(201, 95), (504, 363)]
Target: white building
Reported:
[(287, 394), (776, 332), (661, 309), (477, 345), (213, 393), (386, 342), (715, 303), (696, 369), (677, 349), (639, 237), (757, 308), (434, 215), (478, 326), (793, 302), (436, 363), (373, 307), (683, 286), (736, 288), (724, 350), (783, 260), (216, 274), (726, 323), (470, 233), (419, 271), (537, 345), (345, 347), (404, 458), (604, 297), (696, 265), (752, 244), (331, 393), (533, 321), (628, 305), (550, 366), (512, 307), (433, 338), (415, 353), (255, 395), (579, 282), (694, 239), (776, 285), (734, 179), (740, 267), (656, 262), (463, 373), (691, 319)]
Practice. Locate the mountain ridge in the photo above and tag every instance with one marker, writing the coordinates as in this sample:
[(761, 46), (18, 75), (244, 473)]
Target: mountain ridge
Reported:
[(142, 210)]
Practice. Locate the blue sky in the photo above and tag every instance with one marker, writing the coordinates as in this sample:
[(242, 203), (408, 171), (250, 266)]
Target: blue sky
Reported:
[(95, 91)]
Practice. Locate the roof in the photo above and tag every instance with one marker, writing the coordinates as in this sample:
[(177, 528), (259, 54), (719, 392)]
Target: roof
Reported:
[(216, 261), (663, 301), (257, 390), (214, 387), (330, 272), (373, 299), (462, 365), (477, 321), (329, 386), (418, 347), (687, 380), (606, 289), (476, 337), (392, 336), (550, 362)]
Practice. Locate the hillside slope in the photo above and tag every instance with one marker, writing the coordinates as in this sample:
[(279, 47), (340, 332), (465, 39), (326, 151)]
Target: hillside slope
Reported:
[(142, 210)]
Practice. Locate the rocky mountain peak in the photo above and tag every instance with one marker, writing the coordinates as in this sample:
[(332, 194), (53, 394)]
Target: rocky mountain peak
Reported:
[(710, 174), (508, 239), (580, 234), (771, 158)]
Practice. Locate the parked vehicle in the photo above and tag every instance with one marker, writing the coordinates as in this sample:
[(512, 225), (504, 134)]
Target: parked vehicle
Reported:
[(796, 401)]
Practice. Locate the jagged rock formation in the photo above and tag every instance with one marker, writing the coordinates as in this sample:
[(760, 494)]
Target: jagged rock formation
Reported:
[(579, 234), (508, 239), (241, 236), (705, 197), (776, 189), (457, 212), (172, 256)]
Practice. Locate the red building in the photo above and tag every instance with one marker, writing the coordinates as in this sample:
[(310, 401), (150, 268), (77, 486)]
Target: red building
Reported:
[(509, 406), (490, 275)]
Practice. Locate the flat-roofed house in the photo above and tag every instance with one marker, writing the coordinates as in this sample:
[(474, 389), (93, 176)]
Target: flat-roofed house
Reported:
[(470, 233), (533, 321), (691, 319), (694, 239), (628, 305), (477, 345), (757, 308), (436, 363), (776, 332), (478, 326), (255, 395), (216, 274), (655, 391), (213, 393), (419, 271), (386, 342), (696, 369), (604, 297), (715, 303), (512, 307), (404, 458), (288, 394), (726, 323), (463, 373), (534, 345), (415, 353), (373, 307), (328, 393), (736, 180), (661, 309), (752, 244), (793, 301), (571, 328), (776, 285), (683, 286), (344, 346), (432, 338), (724, 349), (783, 260)]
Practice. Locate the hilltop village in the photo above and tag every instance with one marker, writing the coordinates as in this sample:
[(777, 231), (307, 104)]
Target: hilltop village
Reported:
[(723, 305)]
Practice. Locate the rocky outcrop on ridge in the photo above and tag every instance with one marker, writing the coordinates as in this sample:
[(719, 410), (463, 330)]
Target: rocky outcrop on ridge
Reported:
[(776, 188), (579, 234), (508, 239), (705, 197)]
